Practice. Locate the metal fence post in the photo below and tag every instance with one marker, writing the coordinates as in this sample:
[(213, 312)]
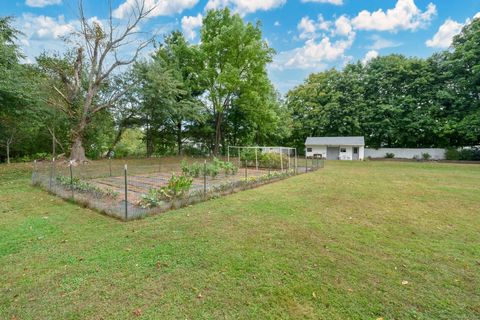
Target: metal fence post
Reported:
[(306, 162), (71, 178), (52, 173), (126, 194), (281, 159), (34, 171), (256, 159), (110, 165), (205, 179), (246, 169), (228, 154), (289, 160), (296, 163)]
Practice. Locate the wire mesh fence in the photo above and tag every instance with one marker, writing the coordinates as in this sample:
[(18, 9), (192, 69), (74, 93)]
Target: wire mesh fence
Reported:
[(134, 188)]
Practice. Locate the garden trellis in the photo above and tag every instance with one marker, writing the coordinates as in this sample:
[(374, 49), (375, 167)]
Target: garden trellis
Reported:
[(234, 154)]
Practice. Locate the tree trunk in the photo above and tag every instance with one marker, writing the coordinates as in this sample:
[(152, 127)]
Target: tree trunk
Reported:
[(218, 133), (117, 139), (179, 138), (78, 151)]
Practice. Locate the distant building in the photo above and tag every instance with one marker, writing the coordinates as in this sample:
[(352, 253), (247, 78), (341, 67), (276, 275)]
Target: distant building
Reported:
[(335, 148)]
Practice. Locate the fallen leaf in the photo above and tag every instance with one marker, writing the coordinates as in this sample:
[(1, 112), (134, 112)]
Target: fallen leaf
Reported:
[(314, 295), (199, 296), (404, 282), (137, 312)]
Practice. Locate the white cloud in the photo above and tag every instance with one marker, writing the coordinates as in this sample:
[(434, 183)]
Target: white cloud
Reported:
[(444, 36), (190, 24), (244, 7), (42, 3), (314, 54), (405, 16), (44, 27), (381, 43), (308, 28), (335, 2), (277, 23), (449, 29), (343, 27), (372, 54), (159, 7)]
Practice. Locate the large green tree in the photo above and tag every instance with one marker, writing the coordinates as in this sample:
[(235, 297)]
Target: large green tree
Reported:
[(235, 60), (171, 90)]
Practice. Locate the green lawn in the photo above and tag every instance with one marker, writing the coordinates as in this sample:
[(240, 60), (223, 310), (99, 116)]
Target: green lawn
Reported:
[(333, 244)]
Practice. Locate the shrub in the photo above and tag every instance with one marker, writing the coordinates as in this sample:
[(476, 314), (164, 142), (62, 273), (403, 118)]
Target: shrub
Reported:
[(471, 154), (192, 170), (389, 155), (452, 154), (212, 169), (426, 156), (272, 160), (249, 155), (177, 187), (230, 168)]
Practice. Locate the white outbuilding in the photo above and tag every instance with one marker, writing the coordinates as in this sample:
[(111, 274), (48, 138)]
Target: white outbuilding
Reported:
[(335, 148)]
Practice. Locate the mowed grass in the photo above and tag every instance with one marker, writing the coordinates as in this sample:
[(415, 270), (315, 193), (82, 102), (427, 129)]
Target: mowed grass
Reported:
[(334, 244)]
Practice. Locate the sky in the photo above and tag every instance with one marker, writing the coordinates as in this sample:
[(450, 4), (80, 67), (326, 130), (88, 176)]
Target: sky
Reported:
[(307, 35)]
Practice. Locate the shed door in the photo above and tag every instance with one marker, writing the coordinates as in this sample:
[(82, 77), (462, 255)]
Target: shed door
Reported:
[(333, 153), (355, 153)]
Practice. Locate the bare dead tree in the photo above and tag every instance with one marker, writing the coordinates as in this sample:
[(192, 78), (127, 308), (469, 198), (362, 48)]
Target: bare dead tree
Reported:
[(100, 46)]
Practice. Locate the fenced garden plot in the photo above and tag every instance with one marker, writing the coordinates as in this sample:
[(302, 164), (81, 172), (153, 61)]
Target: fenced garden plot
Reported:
[(134, 188)]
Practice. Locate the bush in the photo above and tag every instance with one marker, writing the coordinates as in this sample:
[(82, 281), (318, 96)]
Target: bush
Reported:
[(426, 156), (470, 154), (191, 170), (212, 169), (452, 154), (249, 155), (230, 168), (389, 155), (177, 187), (272, 160)]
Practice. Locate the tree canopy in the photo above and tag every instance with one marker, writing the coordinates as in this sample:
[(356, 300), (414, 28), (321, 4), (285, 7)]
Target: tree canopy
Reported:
[(188, 98)]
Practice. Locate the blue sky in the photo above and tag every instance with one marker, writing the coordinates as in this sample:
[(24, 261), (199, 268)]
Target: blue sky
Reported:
[(308, 35)]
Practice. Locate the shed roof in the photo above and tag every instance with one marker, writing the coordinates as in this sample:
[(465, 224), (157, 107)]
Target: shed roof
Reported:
[(335, 141)]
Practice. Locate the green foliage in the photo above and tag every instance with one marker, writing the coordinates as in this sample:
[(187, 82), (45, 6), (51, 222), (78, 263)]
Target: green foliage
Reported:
[(389, 155), (236, 79), (229, 168), (466, 154), (191, 169), (82, 186), (131, 144), (177, 187), (471, 154), (273, 160), (211, 169), (426, 156), (452, 154)]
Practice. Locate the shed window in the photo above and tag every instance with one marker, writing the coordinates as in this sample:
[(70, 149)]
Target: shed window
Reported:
[(309, 149), (343, 150)]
